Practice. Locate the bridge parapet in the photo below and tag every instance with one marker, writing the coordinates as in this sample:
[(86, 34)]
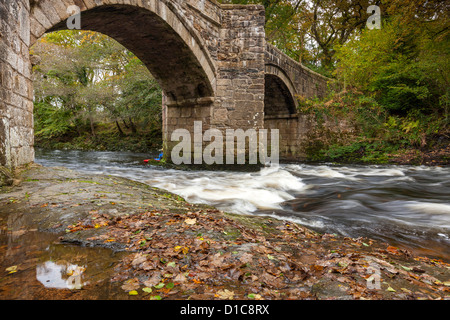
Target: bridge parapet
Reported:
[(286, 80), (301, 80)]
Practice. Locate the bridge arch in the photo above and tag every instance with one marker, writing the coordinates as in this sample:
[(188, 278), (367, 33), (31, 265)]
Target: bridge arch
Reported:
[(280, 93), (162, 38)]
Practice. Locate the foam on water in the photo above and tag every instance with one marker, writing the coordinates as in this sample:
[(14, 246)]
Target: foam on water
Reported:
[(239, 192), (429, 207), (345, 172)]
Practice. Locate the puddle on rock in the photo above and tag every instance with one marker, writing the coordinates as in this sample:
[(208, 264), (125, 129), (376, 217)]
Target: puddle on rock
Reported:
[(35, 265)]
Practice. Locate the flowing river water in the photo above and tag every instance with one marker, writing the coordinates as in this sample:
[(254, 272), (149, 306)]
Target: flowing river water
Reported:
[(406, 206)]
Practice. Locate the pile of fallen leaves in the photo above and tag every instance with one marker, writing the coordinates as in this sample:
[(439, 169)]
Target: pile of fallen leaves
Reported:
[(206, 254), (438, 156)]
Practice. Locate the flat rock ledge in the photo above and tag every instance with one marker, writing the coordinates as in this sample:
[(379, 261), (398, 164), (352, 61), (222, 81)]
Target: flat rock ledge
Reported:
[(178, 250)]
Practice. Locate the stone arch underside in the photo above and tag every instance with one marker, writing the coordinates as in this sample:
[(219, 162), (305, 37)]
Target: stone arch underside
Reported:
[(159, 39), (279, 98)]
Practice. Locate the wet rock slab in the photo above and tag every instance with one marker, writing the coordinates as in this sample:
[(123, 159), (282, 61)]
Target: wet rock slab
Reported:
[(52, 198), (171, 249)]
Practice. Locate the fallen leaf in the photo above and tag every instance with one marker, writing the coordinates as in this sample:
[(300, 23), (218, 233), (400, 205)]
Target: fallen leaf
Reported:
[(390, 289), (184, 250), (170, 285), (392, 250), (190, 221), (225, 294), (180, 278), (254, 296), (406, 268), (18, 233), (154, 280), (139, 258), (11, 269), (131, 285), (272, 281), (316, 267), (417, 269), (147, 289), (159, 285), (246, 258), (133, 293)]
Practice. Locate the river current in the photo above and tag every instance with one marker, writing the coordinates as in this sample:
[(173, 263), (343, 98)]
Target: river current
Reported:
[(407, 206)]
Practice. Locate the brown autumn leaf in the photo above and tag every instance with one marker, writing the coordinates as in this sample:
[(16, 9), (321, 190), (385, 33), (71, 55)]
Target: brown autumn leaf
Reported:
[(234, 273), (154, 280), (217, 260), (180, 278), (225, 294), (392, 250), (190, 221), (130, 285), (138, 259), (316, 267), (272, 281), (148, 265), (246, 258), (284, 267)]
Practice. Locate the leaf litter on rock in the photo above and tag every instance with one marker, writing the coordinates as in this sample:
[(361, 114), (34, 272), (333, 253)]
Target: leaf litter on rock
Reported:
[(197, 255)]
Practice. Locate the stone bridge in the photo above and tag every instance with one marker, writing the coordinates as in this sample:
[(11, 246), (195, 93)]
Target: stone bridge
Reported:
[(211, 60)]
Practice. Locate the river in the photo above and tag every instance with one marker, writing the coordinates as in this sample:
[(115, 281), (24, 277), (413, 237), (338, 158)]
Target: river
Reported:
[(407, 206)]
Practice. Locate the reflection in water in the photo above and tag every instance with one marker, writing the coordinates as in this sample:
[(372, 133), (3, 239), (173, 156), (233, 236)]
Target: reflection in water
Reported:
[(60, 275), (44, 265), (405, 205)]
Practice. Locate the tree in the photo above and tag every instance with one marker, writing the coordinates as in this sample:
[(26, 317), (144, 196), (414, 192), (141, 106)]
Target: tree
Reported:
[(406, 63), (308, 30), (85, 76)]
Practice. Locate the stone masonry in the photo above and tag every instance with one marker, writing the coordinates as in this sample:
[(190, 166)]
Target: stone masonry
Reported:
[(211, 60)]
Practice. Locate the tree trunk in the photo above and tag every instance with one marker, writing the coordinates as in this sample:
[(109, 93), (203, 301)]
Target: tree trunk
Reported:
[(125, 124), (91, 120), (119, 128), (133, 126)]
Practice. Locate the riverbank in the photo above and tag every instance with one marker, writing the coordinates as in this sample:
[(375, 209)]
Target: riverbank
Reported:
[(438, 156), (107, 138), (171, 249), (434, 154)]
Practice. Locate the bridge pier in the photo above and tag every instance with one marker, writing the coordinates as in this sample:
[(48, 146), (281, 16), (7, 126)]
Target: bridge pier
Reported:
[(16, 89), (239, 92)]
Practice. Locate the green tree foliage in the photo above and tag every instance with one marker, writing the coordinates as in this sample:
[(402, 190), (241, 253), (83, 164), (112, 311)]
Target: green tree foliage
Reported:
[(308, 30), (86, 78), (396, 82), (405, 64)]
